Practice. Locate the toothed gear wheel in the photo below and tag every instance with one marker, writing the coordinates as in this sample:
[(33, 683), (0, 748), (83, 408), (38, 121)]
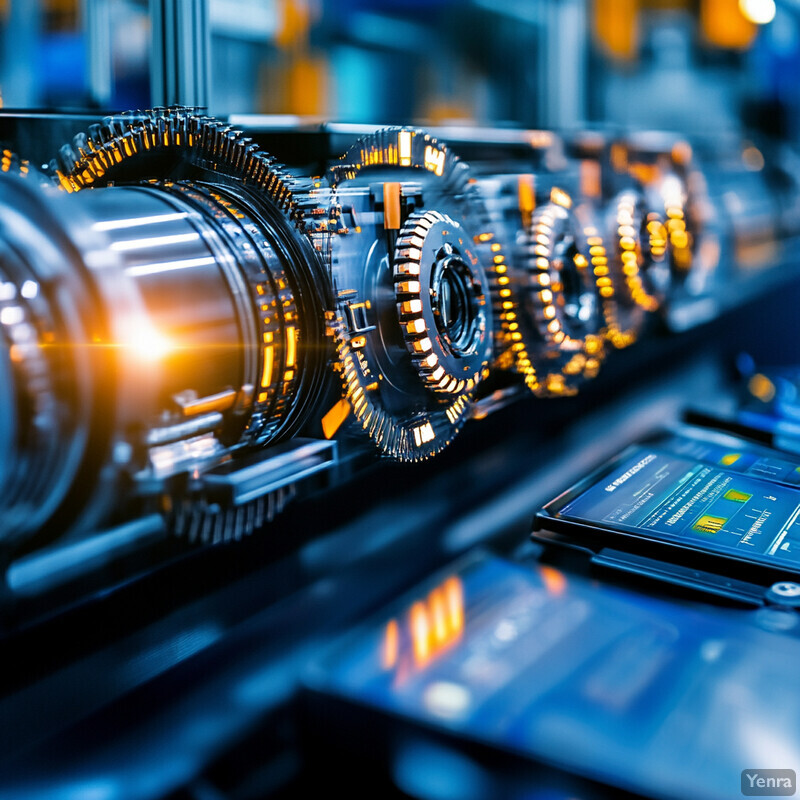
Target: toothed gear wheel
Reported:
[(679, 223), (171, 144), (562, 301), (414, 328), (593, 247), (440, 308), (204, 523), (416, 151), (641, 275), (675, 191)]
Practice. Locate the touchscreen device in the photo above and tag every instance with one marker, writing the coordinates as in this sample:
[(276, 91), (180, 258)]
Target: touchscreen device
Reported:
[(690, 491)]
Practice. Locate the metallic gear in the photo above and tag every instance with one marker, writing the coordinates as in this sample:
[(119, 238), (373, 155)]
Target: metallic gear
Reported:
[(642, 276), (213, 219), (561, 300), (419, 277), (171, 144), (446, 300), (594, 249), (663, 165)]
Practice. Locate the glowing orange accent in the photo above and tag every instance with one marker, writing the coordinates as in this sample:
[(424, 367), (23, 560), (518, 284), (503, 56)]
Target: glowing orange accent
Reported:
[(434, 625), (616, 26), (221, 401), (425, 433), (334, 418), (723, 24), (762, 387), (148, 344), (66, 183), (291, 346), (434, 160), (266, 375), (647, 174), (391, 206), (391, 645), (554, 580), (526, 194), (404, 148), (590, 178), (560, 197), (438, 612), (619, 157), (682, 153), (454, 596)]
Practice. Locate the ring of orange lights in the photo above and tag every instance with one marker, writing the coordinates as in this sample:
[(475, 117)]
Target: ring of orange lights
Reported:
[(565, 359)]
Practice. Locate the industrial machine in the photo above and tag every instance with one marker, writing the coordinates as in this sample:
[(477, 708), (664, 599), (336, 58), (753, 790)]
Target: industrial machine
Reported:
[(245, 404)]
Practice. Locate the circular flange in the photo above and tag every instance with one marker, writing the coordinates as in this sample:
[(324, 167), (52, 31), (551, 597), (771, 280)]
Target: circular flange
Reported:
[(440, 302), (561, 299), (642, 277), (422, 280)]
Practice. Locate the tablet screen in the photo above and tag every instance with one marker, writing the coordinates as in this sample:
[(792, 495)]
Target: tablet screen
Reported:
[(701, 494)]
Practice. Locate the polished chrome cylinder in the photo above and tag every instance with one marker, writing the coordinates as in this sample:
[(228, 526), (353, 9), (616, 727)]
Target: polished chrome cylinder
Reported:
[(147, 332)]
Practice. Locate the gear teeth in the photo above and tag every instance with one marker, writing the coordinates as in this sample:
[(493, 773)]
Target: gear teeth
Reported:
[(571, 358), (411, 301), (424, 432), (80, 145), (409, 439), (12, 164), (92, 157), (208, 523), (67, 158), (382, 147), (94, 133)]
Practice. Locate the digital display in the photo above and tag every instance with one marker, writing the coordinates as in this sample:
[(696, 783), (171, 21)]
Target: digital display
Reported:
[(701, 493)]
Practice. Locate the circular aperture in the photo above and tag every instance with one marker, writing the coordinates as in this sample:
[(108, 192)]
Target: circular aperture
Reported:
[(415, 340), (441, 304), (575, 300), (562, 302), (456, 303)]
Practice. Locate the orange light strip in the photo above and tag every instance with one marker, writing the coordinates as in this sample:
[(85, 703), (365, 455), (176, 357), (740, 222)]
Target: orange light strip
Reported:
[(291, 346), (266, 375)]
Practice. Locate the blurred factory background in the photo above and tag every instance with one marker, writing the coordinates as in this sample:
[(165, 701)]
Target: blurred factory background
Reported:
[(697, 66)]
